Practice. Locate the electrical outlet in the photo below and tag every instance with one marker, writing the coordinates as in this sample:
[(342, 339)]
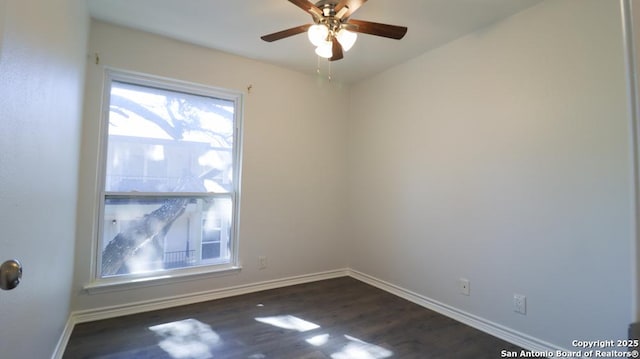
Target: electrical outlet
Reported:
[(463, 286), (262, 262), (520, 303)]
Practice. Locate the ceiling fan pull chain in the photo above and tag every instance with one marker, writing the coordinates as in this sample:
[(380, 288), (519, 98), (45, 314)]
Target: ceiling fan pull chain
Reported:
[(318, 72)]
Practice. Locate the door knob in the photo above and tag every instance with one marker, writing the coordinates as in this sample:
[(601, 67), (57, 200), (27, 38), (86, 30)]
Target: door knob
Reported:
[(10, 274)]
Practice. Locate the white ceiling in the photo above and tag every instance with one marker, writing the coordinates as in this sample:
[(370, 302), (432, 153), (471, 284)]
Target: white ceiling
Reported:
[(235, 26)]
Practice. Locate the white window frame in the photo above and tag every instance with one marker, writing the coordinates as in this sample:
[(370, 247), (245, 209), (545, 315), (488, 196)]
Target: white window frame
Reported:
[(100, 284)]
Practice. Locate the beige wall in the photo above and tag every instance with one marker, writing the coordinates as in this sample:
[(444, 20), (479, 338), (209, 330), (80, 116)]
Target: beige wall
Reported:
[(504, 157), (42, 58), (294, 168)]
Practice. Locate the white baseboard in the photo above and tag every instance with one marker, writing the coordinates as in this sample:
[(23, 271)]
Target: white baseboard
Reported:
[(90, 315), (523, 340), (175, 301), (507, 334), (64, 338)]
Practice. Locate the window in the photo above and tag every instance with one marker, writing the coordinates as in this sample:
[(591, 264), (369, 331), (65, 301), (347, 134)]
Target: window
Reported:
[(171, 158)]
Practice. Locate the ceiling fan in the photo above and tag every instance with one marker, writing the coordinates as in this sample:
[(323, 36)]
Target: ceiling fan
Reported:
[(333, 31)]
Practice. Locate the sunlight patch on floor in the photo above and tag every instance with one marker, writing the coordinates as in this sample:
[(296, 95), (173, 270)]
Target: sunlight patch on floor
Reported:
[(288, 322), (358, 349), (318, 340), (353, 349), (186, 339)]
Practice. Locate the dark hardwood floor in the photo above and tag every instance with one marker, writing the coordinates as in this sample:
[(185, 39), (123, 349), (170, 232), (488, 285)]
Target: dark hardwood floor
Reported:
[(337, 318)]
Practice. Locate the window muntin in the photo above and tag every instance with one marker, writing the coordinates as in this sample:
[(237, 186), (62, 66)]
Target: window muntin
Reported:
[(171, 165)]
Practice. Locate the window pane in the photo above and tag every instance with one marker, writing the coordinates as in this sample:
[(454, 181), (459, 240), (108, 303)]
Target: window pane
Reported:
[(166, 141), (210, 250), (148, 234)]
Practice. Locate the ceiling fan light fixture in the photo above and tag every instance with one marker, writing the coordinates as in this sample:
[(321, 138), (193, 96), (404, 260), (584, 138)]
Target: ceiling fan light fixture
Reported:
[(333, 31), (325, 49), (346, 38), (318, 34)]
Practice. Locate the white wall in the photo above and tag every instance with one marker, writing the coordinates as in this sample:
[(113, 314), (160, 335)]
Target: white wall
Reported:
[(294, 168), (632, 11), (41, 74), (504, 157)]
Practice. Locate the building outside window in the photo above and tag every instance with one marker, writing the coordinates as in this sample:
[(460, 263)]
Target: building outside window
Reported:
[(171, 160)]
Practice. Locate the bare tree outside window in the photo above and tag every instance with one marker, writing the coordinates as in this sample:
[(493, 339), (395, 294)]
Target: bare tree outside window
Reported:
[(169, 180)]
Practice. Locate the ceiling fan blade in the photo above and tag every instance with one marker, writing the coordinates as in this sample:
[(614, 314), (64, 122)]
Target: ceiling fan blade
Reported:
[(336, 49), (352, 6), (285, 33), (308, 7), (374, 28)]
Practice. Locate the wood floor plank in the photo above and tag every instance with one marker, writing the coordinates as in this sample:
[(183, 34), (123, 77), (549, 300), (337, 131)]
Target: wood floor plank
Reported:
[(331, 319)]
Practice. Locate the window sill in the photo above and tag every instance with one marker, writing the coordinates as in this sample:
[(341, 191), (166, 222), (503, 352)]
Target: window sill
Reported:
[(120, 284)]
